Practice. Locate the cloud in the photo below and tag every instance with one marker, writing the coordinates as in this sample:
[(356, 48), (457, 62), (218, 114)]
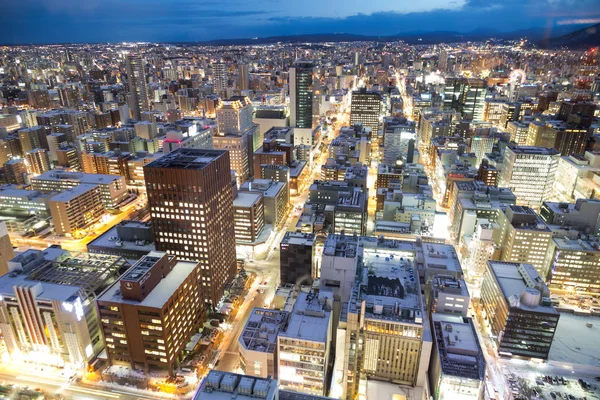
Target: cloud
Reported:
[(40, 21)]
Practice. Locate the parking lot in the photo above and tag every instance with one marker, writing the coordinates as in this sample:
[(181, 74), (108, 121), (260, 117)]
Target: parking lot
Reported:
[(529, 383)]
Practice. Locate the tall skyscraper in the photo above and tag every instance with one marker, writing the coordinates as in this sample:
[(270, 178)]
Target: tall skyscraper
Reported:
[(243, 79), (473, 99), (237, 134), (301, 94), (37, 161), (514, 296), (191, 204), (522, 236), (365, 109), (443, 60), (136, 78), (466, 96), (529, 172), (220, 79)]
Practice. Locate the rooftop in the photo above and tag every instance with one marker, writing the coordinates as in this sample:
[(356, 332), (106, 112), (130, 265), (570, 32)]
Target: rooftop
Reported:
[(458, 347), (22, 193), (246, 199), (569, 208), (277, 131), (449, 284), (112, 239), (262, 328), (522, 286), (389, 169), (522, 217), (69, 194), (341, 246), (269, 187), (389, 284), (219, 385), (588, 245), (77, 177), (581, 348), (187, 158), (62, 273), (299, 238), (441, 256), (310, 318), (534, 150), (163, 290)]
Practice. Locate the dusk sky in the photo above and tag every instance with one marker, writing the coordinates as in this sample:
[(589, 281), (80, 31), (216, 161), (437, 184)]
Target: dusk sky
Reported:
[(76, 21)]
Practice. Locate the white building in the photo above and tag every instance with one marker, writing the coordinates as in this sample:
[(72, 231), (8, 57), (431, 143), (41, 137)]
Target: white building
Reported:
[(338, 265), (530, 173), (575, 176), (47, 304), (449, 295), (113, 188), (303, 348)]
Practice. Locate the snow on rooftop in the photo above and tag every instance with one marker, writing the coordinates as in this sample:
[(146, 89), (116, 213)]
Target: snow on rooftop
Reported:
[(581, 348), (161, 293), (309, 320)]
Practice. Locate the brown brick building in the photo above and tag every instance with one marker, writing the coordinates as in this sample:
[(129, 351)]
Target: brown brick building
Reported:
[(150, 313), (190, 196)]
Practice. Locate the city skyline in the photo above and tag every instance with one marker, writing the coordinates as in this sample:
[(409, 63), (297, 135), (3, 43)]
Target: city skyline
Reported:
[(319, 217), (199, 20)]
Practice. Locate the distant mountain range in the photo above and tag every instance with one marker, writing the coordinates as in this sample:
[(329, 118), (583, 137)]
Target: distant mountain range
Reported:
[(534, 35), (580, 39)]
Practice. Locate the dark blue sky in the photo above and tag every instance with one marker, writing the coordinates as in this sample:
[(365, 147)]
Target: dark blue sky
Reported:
[(76, 21)]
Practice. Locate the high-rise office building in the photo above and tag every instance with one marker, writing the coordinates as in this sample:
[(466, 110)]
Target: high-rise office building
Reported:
[(191, 204), (487, 173), (365, 109), (583, 215), (15, 171), (67, 157), (530, 173), (575, 263), (448, 295), (514, 296), (466, 96), (234, 115), (248, 216), (220, 79), (301, 94), (38, 161), (398, 141), (387, 331), (243, 79), (523, 237), (150, 313), (237, 134), (76, 208), (136, 79), (472, 99), (113, 188), (34, 137), (443, 60), (238, 148), (257, 344), (452, 91)]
